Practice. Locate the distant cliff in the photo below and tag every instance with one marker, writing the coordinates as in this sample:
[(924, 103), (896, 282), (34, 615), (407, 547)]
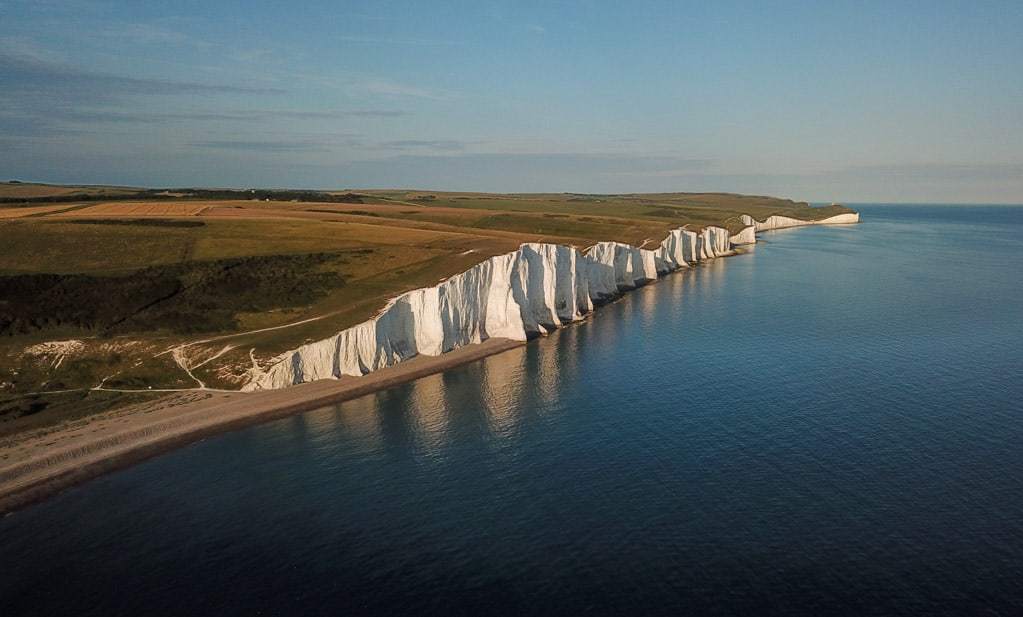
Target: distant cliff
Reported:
[(782, 222)]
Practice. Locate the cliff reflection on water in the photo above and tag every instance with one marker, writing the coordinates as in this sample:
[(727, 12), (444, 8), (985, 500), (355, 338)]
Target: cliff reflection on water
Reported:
[(491, 399), (487, 401)]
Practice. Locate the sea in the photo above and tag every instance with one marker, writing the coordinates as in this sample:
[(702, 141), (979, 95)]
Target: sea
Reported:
[(830, 423)]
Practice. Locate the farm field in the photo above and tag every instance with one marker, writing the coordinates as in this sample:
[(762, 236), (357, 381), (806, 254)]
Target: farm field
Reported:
[(117, 298), (141, 208), (14, 213)]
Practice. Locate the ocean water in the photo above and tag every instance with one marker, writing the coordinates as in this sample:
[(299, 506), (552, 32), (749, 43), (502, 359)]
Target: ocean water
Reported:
[(831, 423)]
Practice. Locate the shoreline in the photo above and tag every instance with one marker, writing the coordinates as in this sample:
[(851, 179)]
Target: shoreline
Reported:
[(38, 464), (46, 462)]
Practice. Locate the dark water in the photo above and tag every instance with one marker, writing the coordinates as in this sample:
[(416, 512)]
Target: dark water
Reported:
[(832, 423)]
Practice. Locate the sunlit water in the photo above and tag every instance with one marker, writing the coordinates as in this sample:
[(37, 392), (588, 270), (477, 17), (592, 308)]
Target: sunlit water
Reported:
[(830, 423)]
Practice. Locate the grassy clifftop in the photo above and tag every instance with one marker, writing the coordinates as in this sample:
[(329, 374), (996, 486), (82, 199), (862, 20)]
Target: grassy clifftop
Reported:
[(172, 288)]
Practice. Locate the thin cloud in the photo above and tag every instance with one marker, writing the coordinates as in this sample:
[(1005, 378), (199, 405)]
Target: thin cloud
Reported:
[(389, 88), (936, 171), (25, 74), (377, 113), (114, 116), (608, 165), (432, 144), (150, 34), (291, 142), (675, 168), (251, 55), (261, 146), (353, 113), (120, 117), (375, 40)]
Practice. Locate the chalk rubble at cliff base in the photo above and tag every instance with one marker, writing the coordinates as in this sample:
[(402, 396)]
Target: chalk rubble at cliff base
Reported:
[(531, 291)]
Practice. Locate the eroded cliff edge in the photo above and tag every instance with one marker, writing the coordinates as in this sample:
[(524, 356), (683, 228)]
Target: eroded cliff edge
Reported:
[(531, 291)]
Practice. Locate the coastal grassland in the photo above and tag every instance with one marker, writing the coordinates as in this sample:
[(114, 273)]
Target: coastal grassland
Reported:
[(522, 226), (695, 209), (137, 289), (127, 290)]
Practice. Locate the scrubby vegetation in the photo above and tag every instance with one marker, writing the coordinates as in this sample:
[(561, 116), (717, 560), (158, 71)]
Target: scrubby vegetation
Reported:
[(71, 195), (191, 297), (142, 222)]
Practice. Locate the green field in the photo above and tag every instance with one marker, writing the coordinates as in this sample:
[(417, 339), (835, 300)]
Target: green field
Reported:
[(126, 275)]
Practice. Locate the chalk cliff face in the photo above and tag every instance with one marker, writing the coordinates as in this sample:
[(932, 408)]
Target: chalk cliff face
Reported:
[(781, 222), (748, 235), (533, 290)]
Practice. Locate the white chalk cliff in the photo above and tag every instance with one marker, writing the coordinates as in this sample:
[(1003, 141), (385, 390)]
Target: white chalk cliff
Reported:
[(531, 291), (782, 222), (748, 235)]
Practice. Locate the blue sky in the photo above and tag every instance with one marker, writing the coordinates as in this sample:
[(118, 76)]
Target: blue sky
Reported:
[(886, 101)]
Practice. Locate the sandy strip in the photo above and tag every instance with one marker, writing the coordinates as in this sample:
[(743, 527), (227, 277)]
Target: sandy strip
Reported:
[(35, 465)]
